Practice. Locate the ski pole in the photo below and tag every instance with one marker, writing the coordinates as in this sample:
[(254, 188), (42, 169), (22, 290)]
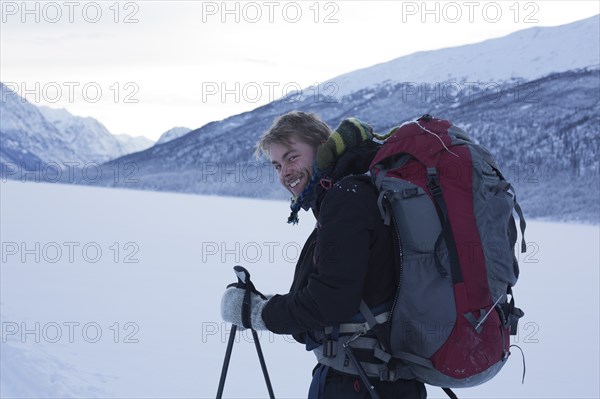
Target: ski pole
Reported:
[(244, 277), (244, 282), (361, 371), (263, 365), (226, 361)]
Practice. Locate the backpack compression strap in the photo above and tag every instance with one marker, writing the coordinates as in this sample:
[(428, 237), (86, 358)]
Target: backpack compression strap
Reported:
[(446, 233)]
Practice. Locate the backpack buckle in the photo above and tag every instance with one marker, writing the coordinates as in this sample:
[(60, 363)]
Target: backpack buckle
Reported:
[(435, 190), (329, 348), (433, 183), (388, 375), (410, 192)]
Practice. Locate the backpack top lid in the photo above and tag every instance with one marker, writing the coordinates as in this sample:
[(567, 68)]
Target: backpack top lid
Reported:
[(423, 138)]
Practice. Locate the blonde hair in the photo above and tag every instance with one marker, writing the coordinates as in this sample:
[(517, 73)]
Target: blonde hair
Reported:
[(306, 127)]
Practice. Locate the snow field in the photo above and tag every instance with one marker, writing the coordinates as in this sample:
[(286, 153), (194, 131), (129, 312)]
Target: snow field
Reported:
[(123, 298)]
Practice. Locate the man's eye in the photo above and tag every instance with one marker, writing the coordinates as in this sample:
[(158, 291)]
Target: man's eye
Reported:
[(293, 157), (277, 167)]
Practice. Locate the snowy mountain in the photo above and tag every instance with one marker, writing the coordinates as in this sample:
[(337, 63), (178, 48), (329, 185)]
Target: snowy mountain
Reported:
[(541, 126), (173, 134), (33, 137), (27, 138), (85, 135)]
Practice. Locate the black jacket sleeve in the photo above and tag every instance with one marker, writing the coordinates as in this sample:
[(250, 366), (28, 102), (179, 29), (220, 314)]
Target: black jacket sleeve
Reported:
[(335, 286)]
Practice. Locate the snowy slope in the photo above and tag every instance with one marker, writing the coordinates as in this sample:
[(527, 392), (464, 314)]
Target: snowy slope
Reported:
[(527, 54), (164, 261), (543, 134)]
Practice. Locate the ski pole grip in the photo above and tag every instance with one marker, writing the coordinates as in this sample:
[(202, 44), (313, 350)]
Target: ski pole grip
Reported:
[(242, 274), (244, 282)]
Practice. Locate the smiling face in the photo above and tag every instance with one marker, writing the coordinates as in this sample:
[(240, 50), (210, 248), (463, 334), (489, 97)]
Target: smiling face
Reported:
[(291, 145), (294, 162)]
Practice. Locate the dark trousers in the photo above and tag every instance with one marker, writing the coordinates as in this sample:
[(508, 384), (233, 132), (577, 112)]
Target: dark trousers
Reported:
[(330, 384)]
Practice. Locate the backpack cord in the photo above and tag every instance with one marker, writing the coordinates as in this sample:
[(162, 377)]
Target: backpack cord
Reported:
[(523, 357), (438, 137)]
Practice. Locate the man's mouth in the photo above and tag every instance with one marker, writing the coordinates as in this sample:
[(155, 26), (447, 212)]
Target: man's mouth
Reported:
[(294, 183)]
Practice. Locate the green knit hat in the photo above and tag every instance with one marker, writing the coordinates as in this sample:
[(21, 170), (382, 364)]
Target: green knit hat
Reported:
[(349, 133)]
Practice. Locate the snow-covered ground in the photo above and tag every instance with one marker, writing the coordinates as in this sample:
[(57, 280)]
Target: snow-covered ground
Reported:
[(116, 293)]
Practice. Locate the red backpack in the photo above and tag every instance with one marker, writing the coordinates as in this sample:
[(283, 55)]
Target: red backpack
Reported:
[(452, 210)]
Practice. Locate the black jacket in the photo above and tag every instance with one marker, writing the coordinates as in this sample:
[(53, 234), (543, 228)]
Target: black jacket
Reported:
[(348, 257)]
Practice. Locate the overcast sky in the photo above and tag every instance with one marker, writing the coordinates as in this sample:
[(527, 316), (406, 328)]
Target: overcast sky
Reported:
[(144, 67)]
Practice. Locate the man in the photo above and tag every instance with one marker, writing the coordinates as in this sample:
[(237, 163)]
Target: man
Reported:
[(348, 258)]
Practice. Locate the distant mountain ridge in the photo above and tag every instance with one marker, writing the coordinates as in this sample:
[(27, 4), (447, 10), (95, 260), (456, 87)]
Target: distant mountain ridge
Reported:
[(523, 55), (31, 136), (539, 119), (173, 134), (89, 137), (543, 133), (27, 138)]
